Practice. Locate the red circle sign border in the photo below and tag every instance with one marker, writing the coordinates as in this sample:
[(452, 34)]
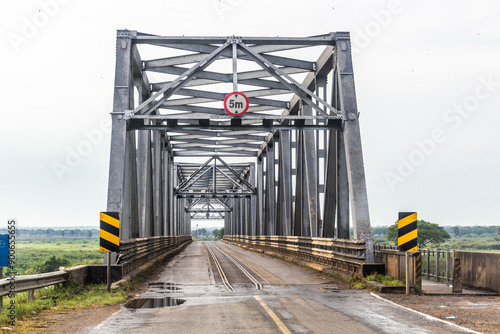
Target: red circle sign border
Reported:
[(241, 113)]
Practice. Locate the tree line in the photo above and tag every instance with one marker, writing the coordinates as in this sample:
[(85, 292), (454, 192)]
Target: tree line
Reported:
[(51, 233), (456, 231)]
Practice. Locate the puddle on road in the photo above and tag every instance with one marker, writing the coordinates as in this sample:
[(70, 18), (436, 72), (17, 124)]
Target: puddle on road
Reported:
[(154, 302), (163, 285)]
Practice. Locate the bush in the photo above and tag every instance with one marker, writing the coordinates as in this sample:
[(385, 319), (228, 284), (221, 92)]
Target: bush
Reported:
[(53, 263)]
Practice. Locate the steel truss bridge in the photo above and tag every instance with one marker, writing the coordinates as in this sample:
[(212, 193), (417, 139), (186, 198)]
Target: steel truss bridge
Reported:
[(291, 166)]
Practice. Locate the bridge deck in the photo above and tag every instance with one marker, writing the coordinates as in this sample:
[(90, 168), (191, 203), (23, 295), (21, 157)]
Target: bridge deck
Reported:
[(292, 300)]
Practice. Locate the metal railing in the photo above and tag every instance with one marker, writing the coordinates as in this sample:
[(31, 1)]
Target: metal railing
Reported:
[(347, 255), (136, 252), (437, 264), (30, 283)]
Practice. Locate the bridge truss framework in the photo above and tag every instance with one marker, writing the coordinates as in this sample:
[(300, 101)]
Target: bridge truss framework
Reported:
[(296, 161)]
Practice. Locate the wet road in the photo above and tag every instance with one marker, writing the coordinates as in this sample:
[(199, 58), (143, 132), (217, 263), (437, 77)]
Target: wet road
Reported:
[(191, 297)]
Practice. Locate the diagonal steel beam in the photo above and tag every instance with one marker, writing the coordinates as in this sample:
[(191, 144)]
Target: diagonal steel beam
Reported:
[(187, 180), (230, 179), (236, 174), (180, 81), (293, 85)]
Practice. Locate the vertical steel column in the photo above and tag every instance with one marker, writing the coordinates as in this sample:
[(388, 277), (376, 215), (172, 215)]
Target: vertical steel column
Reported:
[(253, 202), (242, 216), (122, 174), (296, 171), (342, 190), (175, 201), (284, 207), (260, 197), (157, 178), (321, 146), (226, 222), (270, 184), (354, 156), (171, 196), (166, 191), (144, 170), (144, 182), (307, 176), (330, 206), (232, 230)]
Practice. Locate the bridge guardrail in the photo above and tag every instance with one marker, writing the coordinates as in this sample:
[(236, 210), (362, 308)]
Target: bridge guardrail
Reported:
[(136, 252), (347, 255), (31, 282)]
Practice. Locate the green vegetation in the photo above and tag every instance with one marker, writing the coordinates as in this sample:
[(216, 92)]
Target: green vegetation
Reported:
[(60, 298), (221, 233), (51, 233), (357, 281), (385, 279), (480, 244), (215, 233), (427, 233), (473, 238), (38, 255), (206, 234)]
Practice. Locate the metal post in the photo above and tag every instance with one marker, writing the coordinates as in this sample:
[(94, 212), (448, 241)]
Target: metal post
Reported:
[(428, 264), (447, 267), (407, 272), (437, 265), (108, 279), (31, 294)]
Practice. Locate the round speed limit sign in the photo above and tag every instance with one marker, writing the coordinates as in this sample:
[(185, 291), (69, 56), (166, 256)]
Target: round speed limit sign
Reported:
[(236, 103)]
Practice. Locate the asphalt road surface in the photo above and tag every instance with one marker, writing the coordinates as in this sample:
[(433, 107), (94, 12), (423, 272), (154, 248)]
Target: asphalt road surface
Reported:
[(213, 287)]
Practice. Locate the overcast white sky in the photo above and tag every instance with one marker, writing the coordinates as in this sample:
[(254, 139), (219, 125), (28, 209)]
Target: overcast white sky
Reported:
[(427, 78)]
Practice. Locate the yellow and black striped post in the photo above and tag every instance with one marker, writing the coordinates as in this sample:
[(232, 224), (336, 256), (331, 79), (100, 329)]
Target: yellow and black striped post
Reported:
[(457, 276), (110, 232), (418, 271), (407, 231)]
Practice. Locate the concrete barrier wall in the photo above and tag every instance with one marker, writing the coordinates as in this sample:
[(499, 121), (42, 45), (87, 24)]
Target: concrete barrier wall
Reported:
[(480, 270), (93, 274), (395, 264)]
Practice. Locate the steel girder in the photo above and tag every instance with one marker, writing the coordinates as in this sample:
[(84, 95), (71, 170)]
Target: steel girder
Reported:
[(309, 174)]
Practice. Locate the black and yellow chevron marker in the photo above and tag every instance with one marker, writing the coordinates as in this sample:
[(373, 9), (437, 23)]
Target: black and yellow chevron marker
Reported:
[(418, 270), (407, 231), (110, 232)]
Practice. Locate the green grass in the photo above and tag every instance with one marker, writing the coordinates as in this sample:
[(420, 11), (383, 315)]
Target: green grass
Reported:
[(60, 298), (32, 253), (385, 279), (357, 281)]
